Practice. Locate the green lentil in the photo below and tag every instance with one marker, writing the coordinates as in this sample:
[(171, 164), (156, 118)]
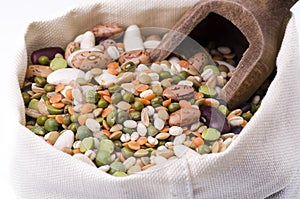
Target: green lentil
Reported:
[(183, 74), (74, 117), (114, 88), (223, 109), (173, 107), (112, 117), (86, 144), (102, 103), (91, 96), (99, 119), (43, 60), (164, 75), (150, 150), (33, 104), (44, 97), (66, 120), (73, 127), (117, 167), (128, 97), (102, 158), (54, 111), (176, 79), (58, 63), (135, 115), (119, 174), (41, 120), (51, 125), (207, 91), (126, 152), (38, 130), (223, 68), (49, 87), (104, 137), (116, 98), (36, 96), (115, 135), (203, 149), (26, 97), (211, 134), (127, 130), (157, 101), (30, 122), (166, 62), (138, 106), (152, 131), (106, 145), (118, 145), (213, 68), (83, 132), (161, 143), (253, 108), (40, 81), (247, 116)]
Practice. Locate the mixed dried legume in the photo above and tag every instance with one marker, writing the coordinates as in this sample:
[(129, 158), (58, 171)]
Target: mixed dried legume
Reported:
[(102, 100)]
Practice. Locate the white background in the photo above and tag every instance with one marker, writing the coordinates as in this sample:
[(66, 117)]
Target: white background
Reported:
[(14, 18)]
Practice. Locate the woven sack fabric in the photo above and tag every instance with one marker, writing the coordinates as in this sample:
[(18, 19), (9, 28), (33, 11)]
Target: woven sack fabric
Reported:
[(262, 161)]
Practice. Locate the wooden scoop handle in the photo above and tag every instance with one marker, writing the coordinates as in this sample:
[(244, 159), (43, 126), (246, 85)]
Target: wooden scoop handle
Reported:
[(255, 34)]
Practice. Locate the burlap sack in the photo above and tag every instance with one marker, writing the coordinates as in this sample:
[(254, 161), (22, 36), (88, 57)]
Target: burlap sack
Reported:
[(262, 161)]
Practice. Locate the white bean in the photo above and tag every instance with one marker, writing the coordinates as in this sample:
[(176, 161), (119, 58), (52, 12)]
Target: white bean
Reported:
[(159, 123), (176, 130), (113, 52), (141, 129), (88, 40), (134, 136), (146, 93), (130, 124), (133, 39), (152, 140), (236, 121)]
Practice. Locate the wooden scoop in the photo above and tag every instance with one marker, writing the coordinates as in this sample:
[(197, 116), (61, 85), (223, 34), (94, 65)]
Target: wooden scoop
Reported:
[(252, 28)]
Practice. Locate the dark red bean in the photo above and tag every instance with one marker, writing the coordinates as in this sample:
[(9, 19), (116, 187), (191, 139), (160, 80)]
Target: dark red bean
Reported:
[(213, 118), (26, 88), (49, 52), (236, 129), (245, 107)]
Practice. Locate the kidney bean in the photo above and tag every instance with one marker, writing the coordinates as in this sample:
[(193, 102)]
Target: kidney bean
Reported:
[(49, 52), (213, 118), (236, 129)]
